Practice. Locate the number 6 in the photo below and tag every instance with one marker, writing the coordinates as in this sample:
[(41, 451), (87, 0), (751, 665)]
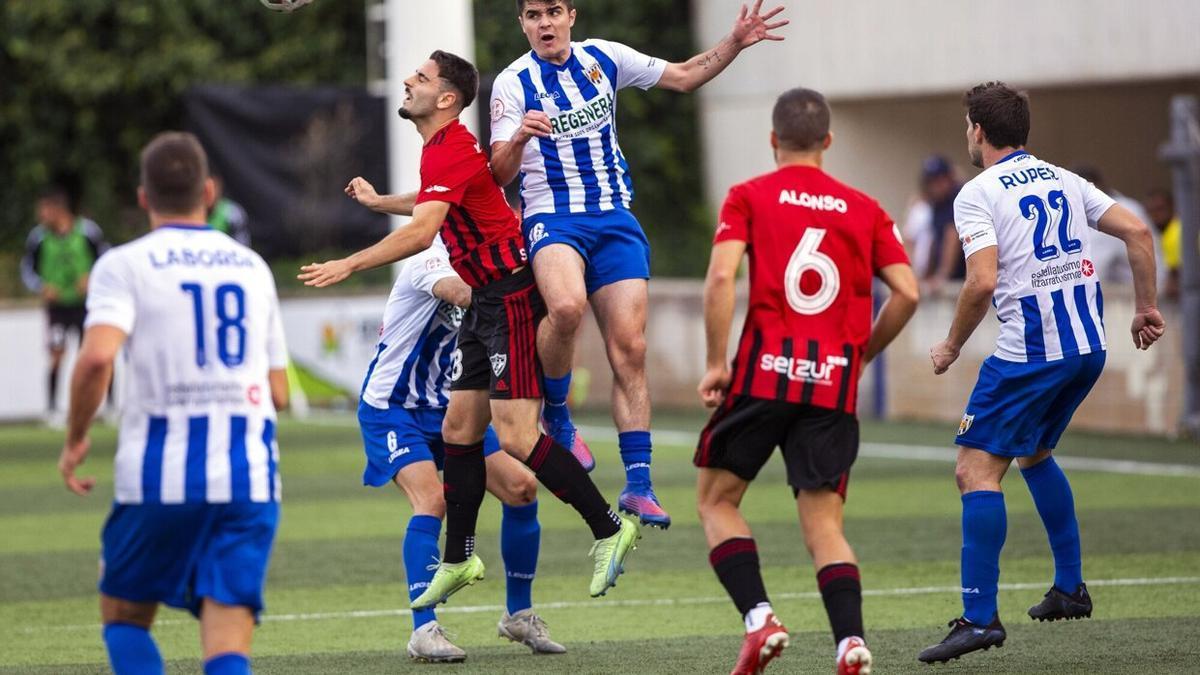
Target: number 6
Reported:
[(807, 257)]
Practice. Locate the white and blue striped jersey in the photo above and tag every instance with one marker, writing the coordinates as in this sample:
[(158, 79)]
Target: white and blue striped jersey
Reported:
[(204, 329), (415, 354), (1039, 216), (580, 168)]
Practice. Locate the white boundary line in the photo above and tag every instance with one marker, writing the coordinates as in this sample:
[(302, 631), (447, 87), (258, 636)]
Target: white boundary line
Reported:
[(649, 602)]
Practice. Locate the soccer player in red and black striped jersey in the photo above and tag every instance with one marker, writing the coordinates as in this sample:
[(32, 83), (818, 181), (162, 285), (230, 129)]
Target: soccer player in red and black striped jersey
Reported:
[(815, 247), (495, 372)]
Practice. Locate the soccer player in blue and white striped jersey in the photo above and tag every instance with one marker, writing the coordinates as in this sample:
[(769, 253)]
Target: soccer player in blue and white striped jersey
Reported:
[(196, 481), (554, 125), (1026, 227)]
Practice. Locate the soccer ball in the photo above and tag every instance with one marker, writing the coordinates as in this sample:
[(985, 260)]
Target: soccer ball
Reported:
[(284, 5)]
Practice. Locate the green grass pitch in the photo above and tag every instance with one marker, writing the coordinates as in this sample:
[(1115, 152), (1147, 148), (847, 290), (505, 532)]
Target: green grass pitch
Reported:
[(335, 592)]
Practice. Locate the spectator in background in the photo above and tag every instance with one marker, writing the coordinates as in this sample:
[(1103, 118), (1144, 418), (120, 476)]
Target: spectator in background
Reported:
[(1109, 253), (228, 216), (1160, 204), (59, 254), (940, 184)]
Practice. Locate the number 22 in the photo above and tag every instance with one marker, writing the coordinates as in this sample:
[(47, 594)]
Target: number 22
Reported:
[(1033, 206)]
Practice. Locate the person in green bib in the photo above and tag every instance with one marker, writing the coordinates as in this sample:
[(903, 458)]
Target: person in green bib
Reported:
[(59, 254), (227, 215)]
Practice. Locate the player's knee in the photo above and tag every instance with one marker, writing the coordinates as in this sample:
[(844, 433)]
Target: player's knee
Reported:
[(520, 489), (627, 350), (566, 313), (115, 610), (429, 500)]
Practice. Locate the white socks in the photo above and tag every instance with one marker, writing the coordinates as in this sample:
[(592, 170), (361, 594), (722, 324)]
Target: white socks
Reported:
[(756, 618)]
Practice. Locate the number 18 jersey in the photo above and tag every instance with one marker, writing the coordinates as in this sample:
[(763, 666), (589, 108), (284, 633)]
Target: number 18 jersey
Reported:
[(815, 245), (1039, 217)]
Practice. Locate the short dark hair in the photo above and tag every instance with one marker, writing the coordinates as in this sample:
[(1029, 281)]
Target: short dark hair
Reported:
[(569, 4), (174, 168), (1002, 112), (58, 194), (460, 73), (800, 119)]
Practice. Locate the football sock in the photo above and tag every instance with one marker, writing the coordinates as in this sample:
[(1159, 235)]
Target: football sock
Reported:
[(635, 454), (556, 390), (520, 537), (561, 473), (52, 387), (420, 556), (131, 650), (984, 528), (841, 590), (464, 475), (756, 618), (228, 664), (736, 563), (1056, 505)]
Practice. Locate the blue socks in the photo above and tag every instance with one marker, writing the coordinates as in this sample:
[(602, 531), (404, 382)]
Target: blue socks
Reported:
[(984, 528), (420, 561), (1056, 505), (635, 454), (520, 537), (556, 391), (131, 650), (228, 664)]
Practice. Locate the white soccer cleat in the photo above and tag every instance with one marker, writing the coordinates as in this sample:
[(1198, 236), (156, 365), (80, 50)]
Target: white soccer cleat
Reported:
[(430, 644), (856, 659), (530, 630)]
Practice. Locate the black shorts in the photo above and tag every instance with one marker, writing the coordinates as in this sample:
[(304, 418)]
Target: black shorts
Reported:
[(497, 343), (819, 445), (61, 321)]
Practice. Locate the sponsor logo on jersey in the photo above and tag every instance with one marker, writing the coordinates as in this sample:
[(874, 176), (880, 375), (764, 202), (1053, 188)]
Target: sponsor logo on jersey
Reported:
[(1088, 268), (254, 394), (814, 202), (499, 362), (543, 95), (583, 121), (723, 226), (594, 74), (537, 233), (497, 109), (803, 370), (1058, 274), (437, 188), (963, 427)]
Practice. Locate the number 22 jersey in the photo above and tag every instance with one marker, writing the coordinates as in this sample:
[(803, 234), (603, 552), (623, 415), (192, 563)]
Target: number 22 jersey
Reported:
[(815, 245)]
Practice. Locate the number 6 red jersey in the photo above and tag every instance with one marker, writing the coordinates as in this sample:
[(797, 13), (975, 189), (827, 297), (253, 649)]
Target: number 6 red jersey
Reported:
[(815, 245)]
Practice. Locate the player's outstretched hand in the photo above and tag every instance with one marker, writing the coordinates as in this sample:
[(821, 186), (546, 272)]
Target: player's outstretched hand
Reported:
[(942, 354), (752, 27), (361, 191), (72, 456), (536, 123), (714, 385), (325, 274), (1148, 327)]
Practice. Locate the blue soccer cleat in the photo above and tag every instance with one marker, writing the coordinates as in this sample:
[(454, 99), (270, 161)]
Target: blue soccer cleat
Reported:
[(638, 499), (566, 435)]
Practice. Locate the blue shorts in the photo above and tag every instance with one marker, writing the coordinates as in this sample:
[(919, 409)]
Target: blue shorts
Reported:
[(397, 437), (612, 243), (1018, 409), (179, 554)]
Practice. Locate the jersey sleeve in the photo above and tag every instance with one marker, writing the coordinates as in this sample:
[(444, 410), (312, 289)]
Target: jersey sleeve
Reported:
[(887, 248), (1095, 201), (95, 238), (508, 107), (277, 353), (111, 294), (430, 267), (734, 223), (30, 274), (634, 69), (446, 171), (973, 220)]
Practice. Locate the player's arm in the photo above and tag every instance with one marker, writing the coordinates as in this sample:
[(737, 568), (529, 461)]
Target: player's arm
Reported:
[(973, 302), (749, 29), (361, 191), (1120, 222), (278, 380), (453, 290), (89, 382), (413, 237), (896, 310), (718, 315)]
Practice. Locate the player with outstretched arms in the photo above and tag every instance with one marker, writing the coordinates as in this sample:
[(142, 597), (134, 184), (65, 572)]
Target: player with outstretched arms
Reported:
[(554, 128), (1026, 228), (815, 246), (498, 376), (196, 479)]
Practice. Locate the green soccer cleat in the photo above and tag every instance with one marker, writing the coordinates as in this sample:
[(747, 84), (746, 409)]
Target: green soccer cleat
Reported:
[(449, 579), (609, 555)]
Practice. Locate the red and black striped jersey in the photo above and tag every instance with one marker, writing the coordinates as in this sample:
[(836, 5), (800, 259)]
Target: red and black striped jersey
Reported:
[(815, 245), (481, 232)]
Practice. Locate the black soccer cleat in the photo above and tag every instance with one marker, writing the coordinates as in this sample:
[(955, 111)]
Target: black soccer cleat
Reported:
[(1058, 605), (964, 638)]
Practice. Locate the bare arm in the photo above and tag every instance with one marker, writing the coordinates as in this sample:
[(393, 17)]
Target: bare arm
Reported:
[(718, 314), (749, 29), (454, 291), (278, 380), (1120, 222), (89, 382), (402, 242), (364, 193), (897, 309), (972, 306)]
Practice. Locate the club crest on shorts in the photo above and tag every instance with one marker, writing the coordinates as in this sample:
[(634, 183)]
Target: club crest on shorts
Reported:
[(499, 362), (965, 424)]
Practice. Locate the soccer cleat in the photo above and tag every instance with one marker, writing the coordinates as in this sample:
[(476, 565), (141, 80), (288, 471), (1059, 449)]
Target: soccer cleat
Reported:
[(1057, 605), (567, 435), (760, 647), (639, 500), (530, 630), (430, 644), (449, 579), (609, 556), (856, 660), (964, 638)]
